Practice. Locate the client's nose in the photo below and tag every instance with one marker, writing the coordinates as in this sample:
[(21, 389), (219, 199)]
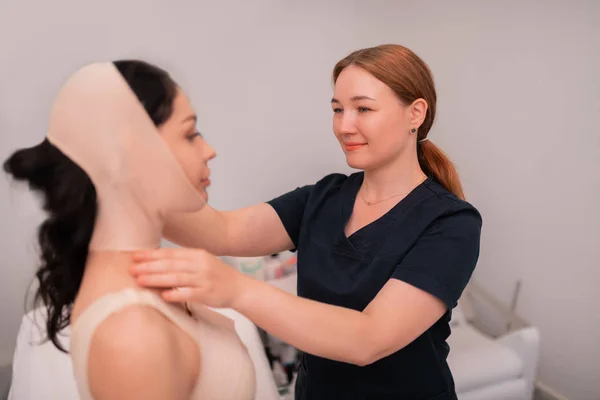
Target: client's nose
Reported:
[(209, 152)]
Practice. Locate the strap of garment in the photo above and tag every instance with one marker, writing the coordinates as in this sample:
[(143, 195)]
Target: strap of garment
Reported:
[(96, 313)]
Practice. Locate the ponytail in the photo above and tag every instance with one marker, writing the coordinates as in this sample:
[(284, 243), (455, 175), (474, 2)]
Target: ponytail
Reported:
[(436, 164)]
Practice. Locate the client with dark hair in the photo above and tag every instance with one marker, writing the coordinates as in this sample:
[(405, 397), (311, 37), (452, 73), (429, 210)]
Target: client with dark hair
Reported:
[(121, 154)]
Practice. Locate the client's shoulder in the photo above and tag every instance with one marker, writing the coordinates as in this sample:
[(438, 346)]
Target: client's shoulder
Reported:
[(135, 326), (138, 353)]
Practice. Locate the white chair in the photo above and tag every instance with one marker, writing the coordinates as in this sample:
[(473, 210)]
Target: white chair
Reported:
[(487, 367), (42, 372)]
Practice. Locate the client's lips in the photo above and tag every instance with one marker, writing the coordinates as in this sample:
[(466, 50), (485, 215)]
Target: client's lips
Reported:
[(205, 182)]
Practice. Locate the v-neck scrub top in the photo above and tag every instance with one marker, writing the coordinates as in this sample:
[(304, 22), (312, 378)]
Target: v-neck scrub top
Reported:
[(430, 239)]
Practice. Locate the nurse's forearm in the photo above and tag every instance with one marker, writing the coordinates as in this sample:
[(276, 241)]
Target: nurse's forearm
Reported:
[(320, 329), (206, 229), (247, 232)]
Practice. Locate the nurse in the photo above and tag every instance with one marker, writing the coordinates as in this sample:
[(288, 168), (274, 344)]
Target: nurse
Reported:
[(383, 254)]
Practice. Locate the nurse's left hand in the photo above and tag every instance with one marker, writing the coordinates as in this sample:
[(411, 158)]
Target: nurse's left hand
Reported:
[(188, 275)]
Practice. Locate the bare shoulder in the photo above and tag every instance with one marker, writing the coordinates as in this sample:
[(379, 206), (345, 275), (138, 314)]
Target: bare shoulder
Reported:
[(134, 347)]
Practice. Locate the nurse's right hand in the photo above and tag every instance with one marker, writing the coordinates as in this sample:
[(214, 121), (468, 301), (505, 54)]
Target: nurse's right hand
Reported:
[(189, 275)]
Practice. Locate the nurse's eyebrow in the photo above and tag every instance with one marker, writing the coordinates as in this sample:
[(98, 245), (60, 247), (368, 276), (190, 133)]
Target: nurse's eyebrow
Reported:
[(354, 98)]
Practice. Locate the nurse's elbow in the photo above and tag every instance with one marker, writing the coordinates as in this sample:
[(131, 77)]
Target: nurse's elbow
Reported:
[(363, 356), (366, 346), (364, 361), (372, 354)]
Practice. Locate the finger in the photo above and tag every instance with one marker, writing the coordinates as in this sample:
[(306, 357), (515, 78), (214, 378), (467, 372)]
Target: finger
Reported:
[(167, 280), (165, 254), (162, 266), (157, 254), (179, 295)]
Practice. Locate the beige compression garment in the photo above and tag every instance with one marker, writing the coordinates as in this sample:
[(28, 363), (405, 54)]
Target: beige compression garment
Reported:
[(98, 122)]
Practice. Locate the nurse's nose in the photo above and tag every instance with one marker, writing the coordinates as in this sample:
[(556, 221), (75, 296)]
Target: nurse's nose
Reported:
[(347, 123)]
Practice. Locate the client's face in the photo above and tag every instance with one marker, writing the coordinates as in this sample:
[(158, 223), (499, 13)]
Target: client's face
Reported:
[(187, 145)]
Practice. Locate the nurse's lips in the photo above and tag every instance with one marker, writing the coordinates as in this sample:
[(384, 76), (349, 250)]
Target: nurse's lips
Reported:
[(205, 182), (351, 146)]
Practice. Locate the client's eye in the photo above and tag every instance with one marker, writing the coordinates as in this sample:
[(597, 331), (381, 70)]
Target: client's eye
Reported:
[(194, 136)]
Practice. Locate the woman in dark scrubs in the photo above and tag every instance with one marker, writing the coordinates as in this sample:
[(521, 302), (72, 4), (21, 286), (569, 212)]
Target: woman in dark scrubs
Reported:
[(383, 254)]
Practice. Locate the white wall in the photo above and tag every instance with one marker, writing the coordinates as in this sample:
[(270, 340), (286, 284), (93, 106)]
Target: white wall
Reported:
[(519, 99)]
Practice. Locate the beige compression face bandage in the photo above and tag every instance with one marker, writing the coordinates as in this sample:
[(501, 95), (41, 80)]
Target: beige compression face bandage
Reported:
[(98, 122)]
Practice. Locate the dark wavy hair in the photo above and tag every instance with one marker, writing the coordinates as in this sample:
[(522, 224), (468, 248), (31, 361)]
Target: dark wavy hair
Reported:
[(69, 199)]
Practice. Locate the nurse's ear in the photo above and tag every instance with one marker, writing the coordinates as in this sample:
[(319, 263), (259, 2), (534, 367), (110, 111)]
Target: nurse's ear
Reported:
[(417, 111)]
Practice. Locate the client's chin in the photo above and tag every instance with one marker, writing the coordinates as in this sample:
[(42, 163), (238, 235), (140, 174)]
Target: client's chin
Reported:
[(204, 195)]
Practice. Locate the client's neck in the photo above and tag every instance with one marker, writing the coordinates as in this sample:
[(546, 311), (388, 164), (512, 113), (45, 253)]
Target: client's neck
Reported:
[(122, 224), (125, 222), (110, 259), (105, 272), (108, 271)]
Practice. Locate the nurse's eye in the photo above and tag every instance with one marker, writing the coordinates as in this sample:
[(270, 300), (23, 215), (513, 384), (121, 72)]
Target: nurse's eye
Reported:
[(337, 110), (363, 109)]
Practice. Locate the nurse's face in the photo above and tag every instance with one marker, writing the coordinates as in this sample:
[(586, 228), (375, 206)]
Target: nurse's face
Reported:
[(370, 122)]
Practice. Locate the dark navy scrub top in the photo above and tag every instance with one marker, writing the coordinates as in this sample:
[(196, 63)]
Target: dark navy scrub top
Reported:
[(430, 239)]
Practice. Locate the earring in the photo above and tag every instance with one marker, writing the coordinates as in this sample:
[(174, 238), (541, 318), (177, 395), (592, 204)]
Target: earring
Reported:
[(413, 130)]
